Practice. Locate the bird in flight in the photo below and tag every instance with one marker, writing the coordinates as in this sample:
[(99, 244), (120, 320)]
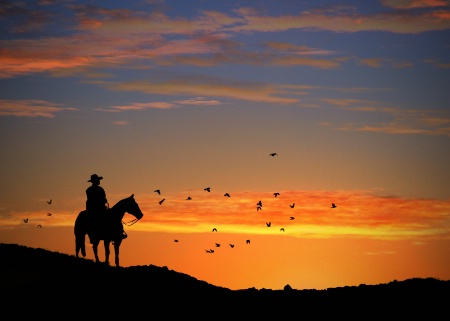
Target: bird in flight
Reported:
[(161, 201), (226, 194), (248, 241), (232, 245), (273, 154), (214, 230), (175, 241), (25, 220), (333, 205), (268, 224), (189, 198), (282, 229), (49, 214), (39, 226), (208, 189), (292, 218), (157, 191), (209, 251), (276, 194), (49, 202), (217, 245)]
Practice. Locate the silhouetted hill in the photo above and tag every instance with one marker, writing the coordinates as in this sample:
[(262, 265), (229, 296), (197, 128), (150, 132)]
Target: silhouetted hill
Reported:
[(61, 285)]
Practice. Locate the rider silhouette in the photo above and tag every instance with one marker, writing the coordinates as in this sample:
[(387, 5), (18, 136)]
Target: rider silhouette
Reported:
[(96, 203)]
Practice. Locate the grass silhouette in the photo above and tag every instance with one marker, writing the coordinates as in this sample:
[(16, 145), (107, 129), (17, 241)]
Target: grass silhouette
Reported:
[(63, 285)]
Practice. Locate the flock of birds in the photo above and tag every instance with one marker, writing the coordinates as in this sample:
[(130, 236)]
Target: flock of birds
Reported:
[(49, 202), (259, 206), (208, 189)]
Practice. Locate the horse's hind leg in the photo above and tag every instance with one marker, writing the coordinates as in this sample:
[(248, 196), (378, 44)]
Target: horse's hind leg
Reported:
[(116, 251), (80, 245), (107, 251)]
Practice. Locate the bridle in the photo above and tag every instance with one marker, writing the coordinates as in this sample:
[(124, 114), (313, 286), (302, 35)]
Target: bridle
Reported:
[(129, 223)]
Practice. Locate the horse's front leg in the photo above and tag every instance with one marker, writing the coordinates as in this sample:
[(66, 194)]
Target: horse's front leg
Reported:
[(107, 251), (116, 251), (95, 249)]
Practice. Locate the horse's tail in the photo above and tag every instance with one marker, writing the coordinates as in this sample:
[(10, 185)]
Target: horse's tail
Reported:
[(80, 231)]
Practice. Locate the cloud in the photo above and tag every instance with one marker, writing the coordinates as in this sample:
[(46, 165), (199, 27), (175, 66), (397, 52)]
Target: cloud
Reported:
[(413, 4), (401, 121), (31, 108), (337, 21), (206, 87), (137, 106), (358, 214), (121, 122), (438, 64), (371, 62), (202, 101)]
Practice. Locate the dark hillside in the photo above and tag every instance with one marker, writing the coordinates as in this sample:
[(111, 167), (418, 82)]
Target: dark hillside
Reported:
[(40, 280)]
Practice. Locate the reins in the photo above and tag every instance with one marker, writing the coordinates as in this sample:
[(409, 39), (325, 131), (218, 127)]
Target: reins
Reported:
[(133, 221)]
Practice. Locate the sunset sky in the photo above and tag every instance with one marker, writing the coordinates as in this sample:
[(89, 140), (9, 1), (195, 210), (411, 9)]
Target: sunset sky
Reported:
[(352, 96)]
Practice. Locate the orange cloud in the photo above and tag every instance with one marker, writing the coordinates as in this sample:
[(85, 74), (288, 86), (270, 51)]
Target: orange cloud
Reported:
[(371, 62), (206, 88), (412, 4), (400, 22), (31, 108), (359, 214)]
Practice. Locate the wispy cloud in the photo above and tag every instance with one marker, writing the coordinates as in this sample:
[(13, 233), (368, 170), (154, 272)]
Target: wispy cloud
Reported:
[(207, 87), (31, 108), (199, 101), (138, 106), (401, 121), (117, 37), (358, 214), (412, 4)]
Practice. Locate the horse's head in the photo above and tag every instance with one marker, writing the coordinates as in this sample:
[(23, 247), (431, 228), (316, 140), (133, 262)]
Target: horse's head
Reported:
[(133, 207)]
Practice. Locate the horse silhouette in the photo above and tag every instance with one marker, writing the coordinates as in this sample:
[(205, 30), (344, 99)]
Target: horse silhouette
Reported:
[(110, 228)]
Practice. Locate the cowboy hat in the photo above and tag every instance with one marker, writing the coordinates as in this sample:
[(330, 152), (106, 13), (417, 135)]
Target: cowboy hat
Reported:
[(95, 178)]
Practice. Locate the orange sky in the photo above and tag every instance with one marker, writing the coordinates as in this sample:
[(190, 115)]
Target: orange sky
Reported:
[(365, 239)]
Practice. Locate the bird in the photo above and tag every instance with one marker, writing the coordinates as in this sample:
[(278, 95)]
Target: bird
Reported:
[(209, 251), (214, 230), (273, 154), (208, 189), (292, 218), (226, 194), (292, 206), (231, 245), (49, 202), (268, 224), (49, 214), (333, 205), (175, 241), (217, 245), (25, 220), (161, 201), (157, 191), (189, 198), (247, 241), (39, 225), (282, 229), (276, 194)]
